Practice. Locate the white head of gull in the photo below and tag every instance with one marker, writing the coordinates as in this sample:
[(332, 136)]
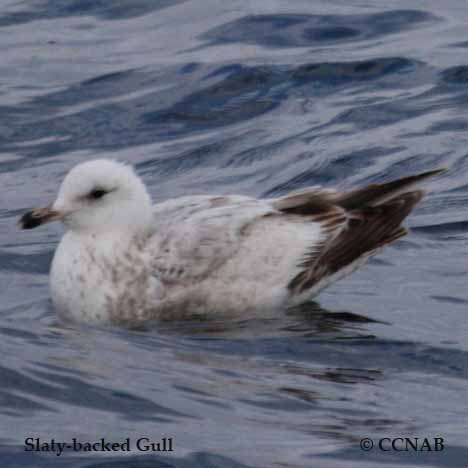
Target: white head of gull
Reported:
[(104, 196), (126, 261)]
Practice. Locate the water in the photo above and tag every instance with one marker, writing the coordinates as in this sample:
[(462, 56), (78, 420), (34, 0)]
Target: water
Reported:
[(256, 98)]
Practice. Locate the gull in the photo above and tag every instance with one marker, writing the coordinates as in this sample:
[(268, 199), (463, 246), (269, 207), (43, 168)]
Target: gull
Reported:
[(123, 260)]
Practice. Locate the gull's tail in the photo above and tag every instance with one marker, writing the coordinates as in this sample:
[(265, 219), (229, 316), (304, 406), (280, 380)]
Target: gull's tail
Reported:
[(355, 224)]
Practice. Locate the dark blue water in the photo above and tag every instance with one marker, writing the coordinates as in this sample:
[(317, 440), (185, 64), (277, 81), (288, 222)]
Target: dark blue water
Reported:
[(252, 97)]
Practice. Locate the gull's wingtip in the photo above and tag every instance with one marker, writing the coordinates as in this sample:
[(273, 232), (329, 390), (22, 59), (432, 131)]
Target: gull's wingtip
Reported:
[(433, 172)]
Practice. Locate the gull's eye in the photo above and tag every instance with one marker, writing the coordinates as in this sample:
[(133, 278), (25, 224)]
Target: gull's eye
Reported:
[(95, 194)]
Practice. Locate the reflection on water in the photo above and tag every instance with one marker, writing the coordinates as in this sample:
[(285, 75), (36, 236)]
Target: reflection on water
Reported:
[(308, 320)]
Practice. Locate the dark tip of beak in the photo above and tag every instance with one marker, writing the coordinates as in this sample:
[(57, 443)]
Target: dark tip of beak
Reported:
[(30, 220)]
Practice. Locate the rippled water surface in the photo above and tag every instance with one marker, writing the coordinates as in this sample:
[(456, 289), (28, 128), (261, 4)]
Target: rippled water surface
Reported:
[(253, 97)]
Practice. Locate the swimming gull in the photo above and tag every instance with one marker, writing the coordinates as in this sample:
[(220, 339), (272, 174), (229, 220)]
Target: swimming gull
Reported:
[(124, 261)]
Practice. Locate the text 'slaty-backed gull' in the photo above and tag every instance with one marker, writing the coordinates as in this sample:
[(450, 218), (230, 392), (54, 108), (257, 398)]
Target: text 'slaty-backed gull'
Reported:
[(123, 260)]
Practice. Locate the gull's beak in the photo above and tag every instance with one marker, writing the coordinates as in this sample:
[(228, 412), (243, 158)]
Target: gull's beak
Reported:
[(39, 216)]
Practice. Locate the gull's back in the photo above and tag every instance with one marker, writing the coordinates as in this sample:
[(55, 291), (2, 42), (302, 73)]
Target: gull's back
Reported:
[(227, 253)]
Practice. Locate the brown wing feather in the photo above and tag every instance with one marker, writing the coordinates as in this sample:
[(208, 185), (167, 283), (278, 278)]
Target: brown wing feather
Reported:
[(360, 234), (356, 223), (375, 194)]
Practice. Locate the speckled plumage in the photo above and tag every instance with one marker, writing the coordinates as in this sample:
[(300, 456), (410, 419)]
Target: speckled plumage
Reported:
[(203, 257), (125, 261)]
